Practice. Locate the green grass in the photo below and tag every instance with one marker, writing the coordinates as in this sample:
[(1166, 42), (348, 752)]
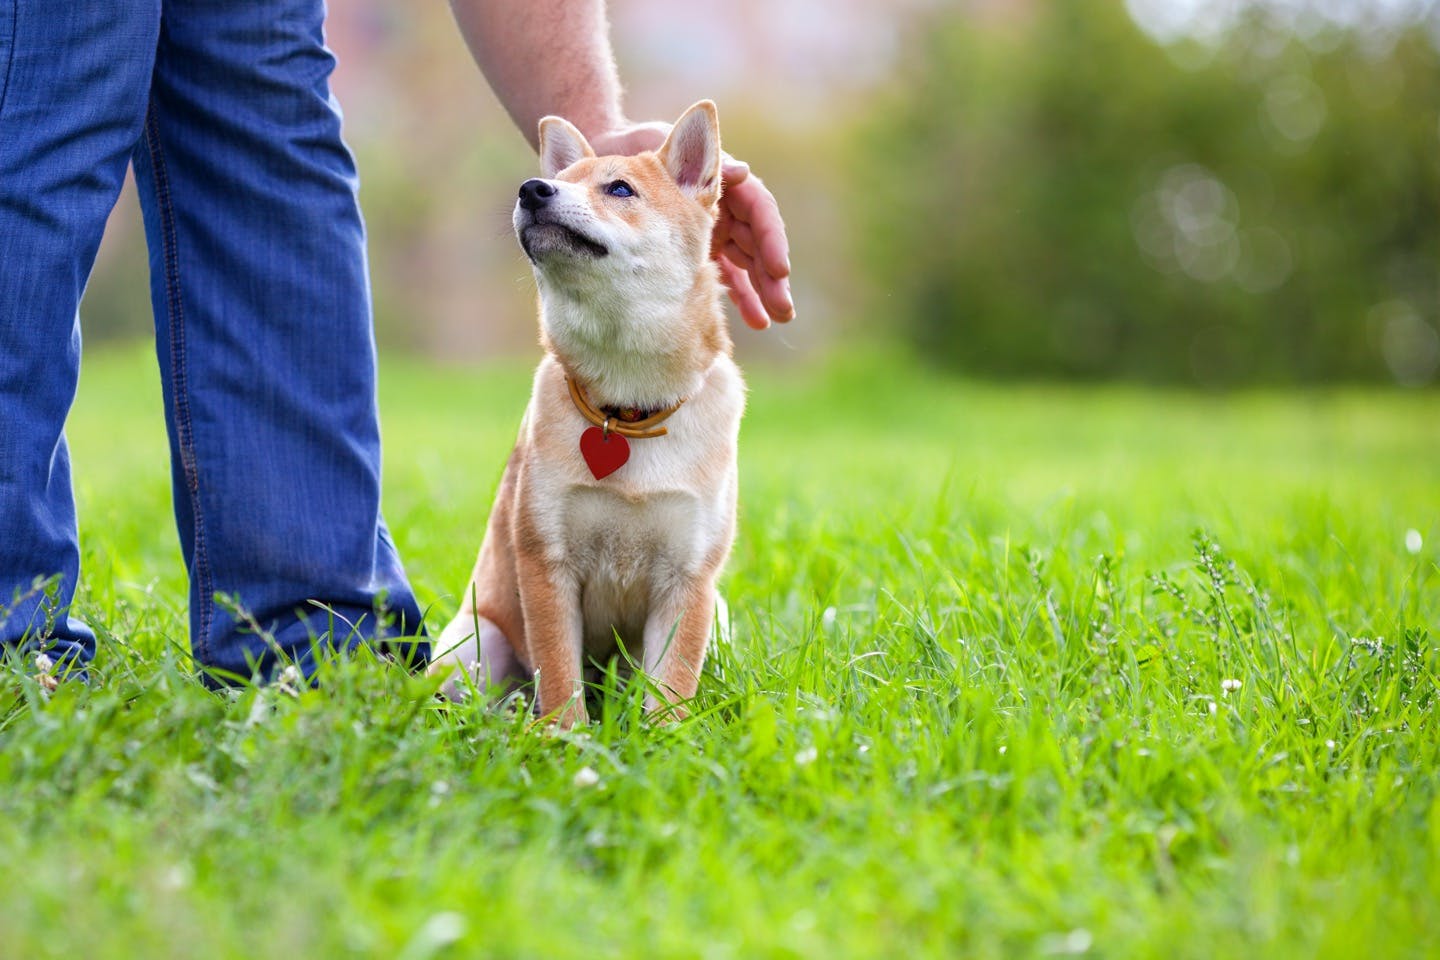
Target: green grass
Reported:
[(976, 702)]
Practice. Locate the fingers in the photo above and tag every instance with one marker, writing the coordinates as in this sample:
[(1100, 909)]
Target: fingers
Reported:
[(752, 204), (741, 237), (738, 257), (760, 297), (774, 294), (737, 280), (750, 243)]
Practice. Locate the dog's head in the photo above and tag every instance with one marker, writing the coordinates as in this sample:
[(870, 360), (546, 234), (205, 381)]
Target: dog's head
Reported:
[(622, 229)]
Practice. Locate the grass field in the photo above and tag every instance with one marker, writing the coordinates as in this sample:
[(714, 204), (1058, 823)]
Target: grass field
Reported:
[(1016, 671)]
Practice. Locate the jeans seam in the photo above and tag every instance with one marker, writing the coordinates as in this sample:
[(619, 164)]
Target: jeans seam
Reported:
[(14, 6), (179, 384)]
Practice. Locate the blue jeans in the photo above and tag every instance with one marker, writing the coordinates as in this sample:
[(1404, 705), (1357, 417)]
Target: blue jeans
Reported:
[(260, 287)]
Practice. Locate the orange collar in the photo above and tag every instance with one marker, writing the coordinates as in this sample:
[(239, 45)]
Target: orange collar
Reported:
[(641, 427)]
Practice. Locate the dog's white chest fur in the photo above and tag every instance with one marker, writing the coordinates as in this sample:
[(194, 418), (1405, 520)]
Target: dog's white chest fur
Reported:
[(633, 541), (625, 555)]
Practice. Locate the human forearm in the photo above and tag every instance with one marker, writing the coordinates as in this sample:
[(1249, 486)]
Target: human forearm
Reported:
[(545, 57)]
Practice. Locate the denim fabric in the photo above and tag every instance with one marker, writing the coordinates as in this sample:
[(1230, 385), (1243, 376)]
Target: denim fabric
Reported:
[(261, 296)]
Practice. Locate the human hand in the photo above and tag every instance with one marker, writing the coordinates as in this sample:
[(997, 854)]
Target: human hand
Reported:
[(749, 243)]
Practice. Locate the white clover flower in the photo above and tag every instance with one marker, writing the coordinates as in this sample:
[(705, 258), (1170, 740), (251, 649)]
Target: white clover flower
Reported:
[(1413, 542), (585, 777), (1230, 684)]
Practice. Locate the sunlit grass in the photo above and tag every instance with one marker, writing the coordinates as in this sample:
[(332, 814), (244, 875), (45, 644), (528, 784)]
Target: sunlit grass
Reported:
[(1016, 671)]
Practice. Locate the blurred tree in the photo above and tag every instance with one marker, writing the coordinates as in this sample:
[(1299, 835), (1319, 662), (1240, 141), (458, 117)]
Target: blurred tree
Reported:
[(1063, 196)]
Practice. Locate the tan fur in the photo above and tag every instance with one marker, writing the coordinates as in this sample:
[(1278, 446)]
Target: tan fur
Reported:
[(568, 561)]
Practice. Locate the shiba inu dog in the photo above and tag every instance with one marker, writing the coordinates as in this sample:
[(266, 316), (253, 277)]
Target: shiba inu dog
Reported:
[(616, 510)]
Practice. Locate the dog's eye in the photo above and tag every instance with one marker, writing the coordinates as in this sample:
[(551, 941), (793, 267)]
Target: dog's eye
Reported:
[(619, 188)]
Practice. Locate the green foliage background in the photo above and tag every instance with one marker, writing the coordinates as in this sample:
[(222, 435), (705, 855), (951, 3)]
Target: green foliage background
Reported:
[(1069, 198)]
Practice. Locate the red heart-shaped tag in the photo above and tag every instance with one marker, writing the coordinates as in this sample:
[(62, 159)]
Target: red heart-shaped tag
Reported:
[(603, 455)]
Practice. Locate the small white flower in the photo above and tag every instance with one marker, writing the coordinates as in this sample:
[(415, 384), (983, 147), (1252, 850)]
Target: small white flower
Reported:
[(1003, 748), (1075, 942), (1330, 745), (1413, 542), (585, 777), (1213, 706), (43, 663), (259, 710), (806, 757), (1230, 685), (175, 877), (440, 931), (290, 680)]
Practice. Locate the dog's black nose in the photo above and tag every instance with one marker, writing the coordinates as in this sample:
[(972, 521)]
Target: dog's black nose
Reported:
[(535, 193)]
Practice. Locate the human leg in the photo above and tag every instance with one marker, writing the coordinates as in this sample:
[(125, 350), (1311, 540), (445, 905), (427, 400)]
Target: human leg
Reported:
[(74, 79), (263, 328)]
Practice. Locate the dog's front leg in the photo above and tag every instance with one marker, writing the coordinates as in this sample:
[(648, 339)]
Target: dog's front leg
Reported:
[(550, 600), (676, 634)]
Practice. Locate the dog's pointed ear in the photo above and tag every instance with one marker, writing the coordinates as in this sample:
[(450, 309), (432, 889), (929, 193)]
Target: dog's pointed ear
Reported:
[(561, 144), (692, 153)]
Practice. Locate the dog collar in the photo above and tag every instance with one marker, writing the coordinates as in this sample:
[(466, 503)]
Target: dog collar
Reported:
[(605, 446), (629, 422)]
